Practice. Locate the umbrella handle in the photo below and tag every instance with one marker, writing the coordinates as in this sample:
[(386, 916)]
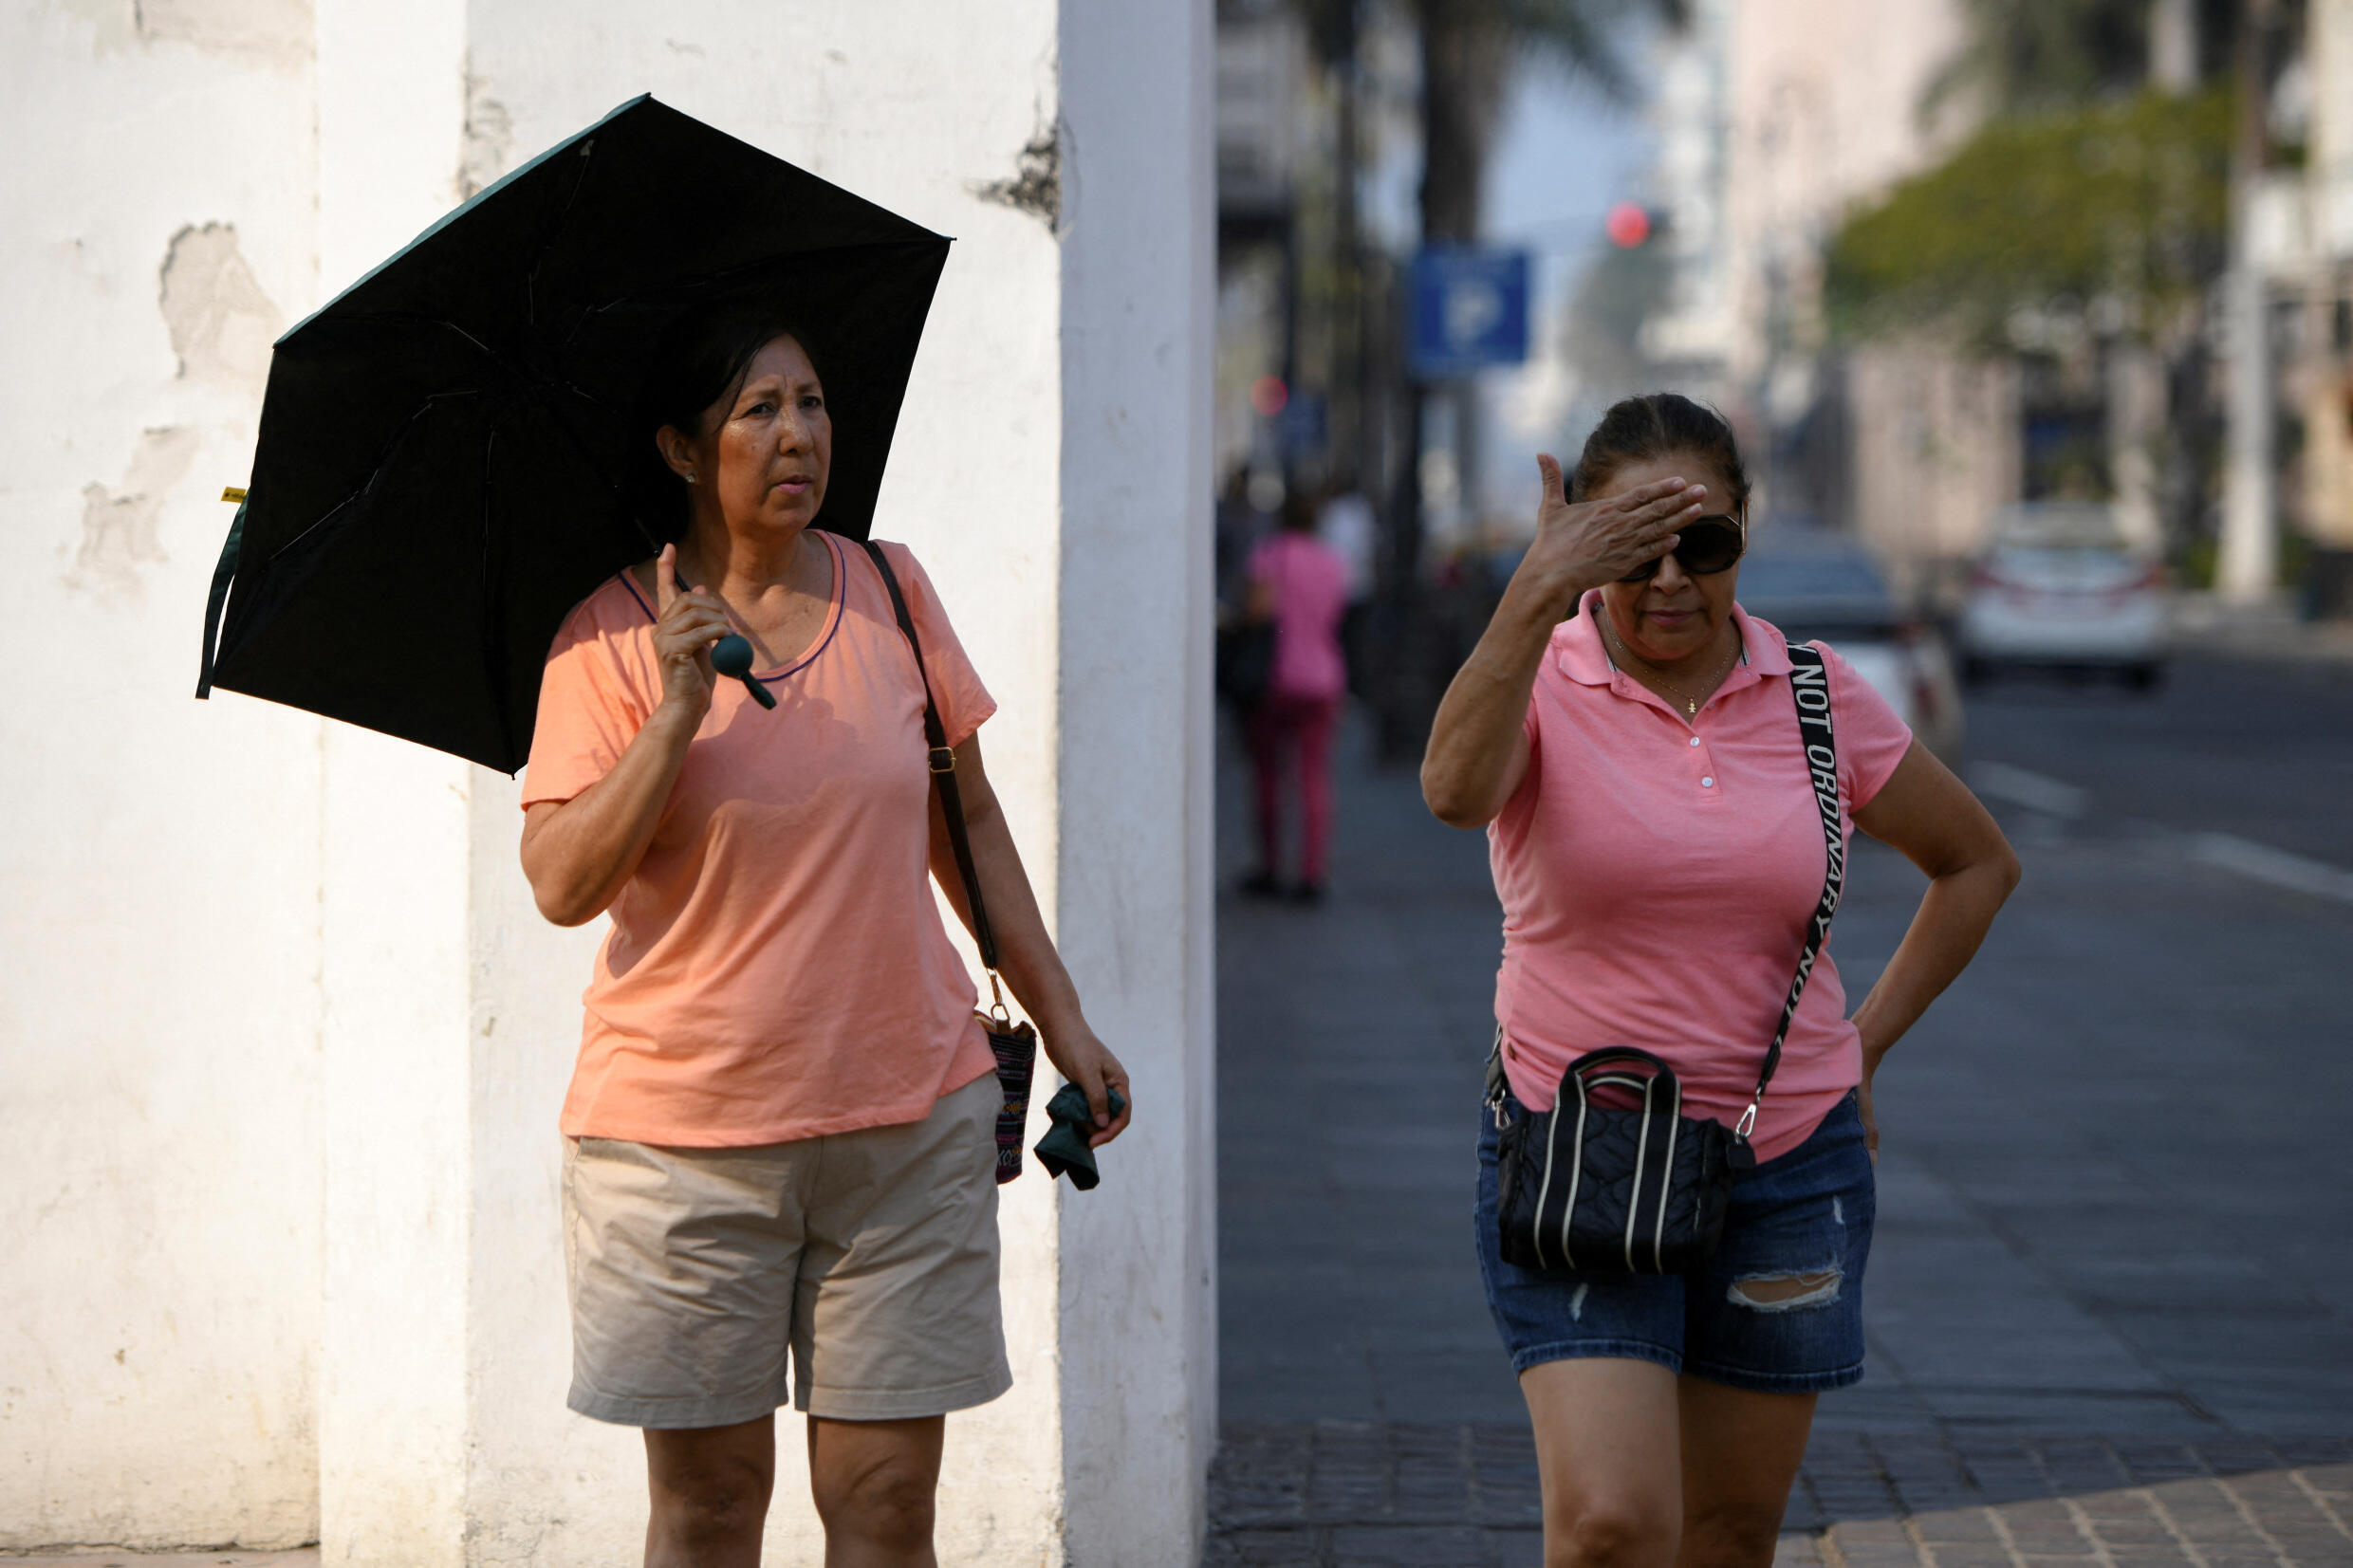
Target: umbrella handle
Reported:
[(731, 655)]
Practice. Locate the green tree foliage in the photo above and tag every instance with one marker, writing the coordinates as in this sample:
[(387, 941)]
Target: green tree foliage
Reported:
[(2115, 212)]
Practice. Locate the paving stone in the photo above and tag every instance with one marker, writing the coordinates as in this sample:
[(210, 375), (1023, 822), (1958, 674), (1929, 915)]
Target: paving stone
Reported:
[(1411, 1546), (1517, 1548)]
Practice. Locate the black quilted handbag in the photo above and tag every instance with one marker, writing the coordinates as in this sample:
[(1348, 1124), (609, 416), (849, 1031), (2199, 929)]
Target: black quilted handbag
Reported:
[(1014, 1046), (1592, 1188)]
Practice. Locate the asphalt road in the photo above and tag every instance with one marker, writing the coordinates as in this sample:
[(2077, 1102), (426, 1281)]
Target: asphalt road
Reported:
[(2116, 1186)]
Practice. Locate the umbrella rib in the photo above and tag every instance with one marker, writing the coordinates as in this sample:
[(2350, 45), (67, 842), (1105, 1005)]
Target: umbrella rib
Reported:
[(571, 199), (384, 461), (493, 622)]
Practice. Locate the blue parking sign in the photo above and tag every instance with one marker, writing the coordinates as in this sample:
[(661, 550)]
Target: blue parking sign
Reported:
[(1470, 309)]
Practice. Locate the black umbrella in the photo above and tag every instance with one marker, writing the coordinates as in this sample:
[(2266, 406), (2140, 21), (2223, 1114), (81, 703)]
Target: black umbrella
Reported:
[(446, 452)]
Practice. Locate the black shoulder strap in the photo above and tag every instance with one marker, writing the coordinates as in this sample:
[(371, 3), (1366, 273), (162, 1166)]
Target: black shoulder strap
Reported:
[(222, 575), (943, 768), (1809, 683)]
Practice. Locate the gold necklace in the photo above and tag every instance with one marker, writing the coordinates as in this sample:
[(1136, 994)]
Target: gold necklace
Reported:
[(1691, 704)]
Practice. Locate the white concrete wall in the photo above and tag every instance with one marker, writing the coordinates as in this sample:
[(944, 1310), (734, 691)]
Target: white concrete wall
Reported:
[(160, 1069), (347, 961)]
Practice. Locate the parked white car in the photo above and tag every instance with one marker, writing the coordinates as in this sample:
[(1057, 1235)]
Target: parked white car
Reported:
[(2058, 585)]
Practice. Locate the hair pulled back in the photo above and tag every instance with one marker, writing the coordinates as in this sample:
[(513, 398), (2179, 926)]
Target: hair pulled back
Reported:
[(1656, 425), (700, 360)]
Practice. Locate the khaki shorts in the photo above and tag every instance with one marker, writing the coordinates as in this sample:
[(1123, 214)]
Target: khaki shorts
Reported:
[(871, 1255)]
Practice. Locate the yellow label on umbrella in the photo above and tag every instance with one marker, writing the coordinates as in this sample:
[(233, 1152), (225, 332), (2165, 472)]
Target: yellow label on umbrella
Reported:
[(232, 493)]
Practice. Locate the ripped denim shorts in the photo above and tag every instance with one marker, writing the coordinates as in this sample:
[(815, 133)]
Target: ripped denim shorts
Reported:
[(1800, 1231)]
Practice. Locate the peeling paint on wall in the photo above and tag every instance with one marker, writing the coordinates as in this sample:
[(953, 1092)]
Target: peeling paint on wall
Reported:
[(489, 138), (118, 533), (1036, 185), (222, 323)]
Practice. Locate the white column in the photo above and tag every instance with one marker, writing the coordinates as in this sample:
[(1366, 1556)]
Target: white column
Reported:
[(393, 909), (1139, 1318), (2328, 192), (2248, 565)]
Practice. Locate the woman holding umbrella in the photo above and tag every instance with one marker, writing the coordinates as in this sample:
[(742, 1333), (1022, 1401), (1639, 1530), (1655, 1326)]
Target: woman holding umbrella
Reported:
[(781, 1123)]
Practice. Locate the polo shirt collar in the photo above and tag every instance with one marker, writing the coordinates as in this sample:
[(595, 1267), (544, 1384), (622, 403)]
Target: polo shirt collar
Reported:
[(1582, 658)]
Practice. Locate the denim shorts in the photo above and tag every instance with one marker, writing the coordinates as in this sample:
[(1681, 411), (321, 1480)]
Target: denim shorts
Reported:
[(1807, 1212)]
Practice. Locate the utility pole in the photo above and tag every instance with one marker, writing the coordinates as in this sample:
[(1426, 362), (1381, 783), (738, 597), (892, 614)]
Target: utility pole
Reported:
[(2248, 563), (2172, 45), (1349, 403), (2135, 367)]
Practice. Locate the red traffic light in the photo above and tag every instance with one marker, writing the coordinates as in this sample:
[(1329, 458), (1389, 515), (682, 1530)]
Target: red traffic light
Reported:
[(1628, 225)]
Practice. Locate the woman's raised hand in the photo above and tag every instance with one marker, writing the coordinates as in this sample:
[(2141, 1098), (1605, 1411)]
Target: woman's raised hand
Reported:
[(1590, 543), (691, 621)]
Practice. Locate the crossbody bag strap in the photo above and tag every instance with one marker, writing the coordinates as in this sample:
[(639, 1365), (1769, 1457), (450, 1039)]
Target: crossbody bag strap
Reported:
[(943, 777), (222, 575), (1810, 684)]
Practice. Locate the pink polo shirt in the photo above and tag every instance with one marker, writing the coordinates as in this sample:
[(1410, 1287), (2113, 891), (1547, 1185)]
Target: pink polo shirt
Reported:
[(1310, 581), (1655, 875)]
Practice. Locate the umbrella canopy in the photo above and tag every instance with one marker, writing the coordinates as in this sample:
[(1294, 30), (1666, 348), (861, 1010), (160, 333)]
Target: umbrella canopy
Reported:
[(447, 449)]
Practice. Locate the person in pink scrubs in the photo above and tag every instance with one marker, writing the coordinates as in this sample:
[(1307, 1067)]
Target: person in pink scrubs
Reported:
[(1300, 583), (1626, 735)]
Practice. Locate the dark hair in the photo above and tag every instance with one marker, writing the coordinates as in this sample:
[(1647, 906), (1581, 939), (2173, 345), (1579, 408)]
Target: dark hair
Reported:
[(701, 358), (1658, 424)]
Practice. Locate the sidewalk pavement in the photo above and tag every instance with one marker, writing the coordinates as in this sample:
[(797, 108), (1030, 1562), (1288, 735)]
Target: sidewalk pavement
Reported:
[(1369, 1494), (2271, 630)]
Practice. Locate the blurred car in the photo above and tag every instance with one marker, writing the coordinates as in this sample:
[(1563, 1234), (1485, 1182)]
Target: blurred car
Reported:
[(1826, 587), (2058, 585)]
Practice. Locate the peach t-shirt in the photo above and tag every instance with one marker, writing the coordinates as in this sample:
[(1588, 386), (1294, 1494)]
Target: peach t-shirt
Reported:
[(1657, 872), (777, 968)]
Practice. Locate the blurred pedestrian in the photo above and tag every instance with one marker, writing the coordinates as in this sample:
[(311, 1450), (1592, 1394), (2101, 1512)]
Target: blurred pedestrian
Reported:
[(1300, 586), (1347, 525), (1630, 738), (1239, 527), (781, 1125)]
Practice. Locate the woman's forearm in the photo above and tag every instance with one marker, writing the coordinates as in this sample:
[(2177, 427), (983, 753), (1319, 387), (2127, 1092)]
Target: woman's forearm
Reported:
[(1954, 917), (580, 853), (1467, 772), (1026, 955)]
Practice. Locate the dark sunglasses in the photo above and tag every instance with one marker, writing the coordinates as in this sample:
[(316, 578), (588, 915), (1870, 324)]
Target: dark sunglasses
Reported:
[(1706, 545)]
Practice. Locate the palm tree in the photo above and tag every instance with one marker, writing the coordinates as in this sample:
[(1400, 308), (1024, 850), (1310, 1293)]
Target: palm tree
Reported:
[(1468, 49)]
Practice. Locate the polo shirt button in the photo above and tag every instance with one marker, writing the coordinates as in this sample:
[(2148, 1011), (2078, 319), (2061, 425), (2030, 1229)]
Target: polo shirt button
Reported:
[(1695, 740), (1706, 783)]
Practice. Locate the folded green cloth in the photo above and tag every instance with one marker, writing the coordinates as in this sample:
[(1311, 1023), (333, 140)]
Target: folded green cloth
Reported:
[(1064, 1151)]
